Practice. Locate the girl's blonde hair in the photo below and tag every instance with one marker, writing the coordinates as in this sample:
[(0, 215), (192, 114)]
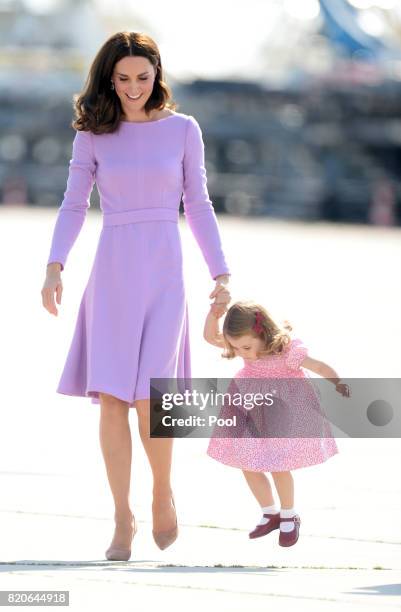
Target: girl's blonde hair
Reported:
[(239, 321)]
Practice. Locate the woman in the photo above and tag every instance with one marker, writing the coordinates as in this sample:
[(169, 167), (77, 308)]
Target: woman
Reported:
[(133, 319)]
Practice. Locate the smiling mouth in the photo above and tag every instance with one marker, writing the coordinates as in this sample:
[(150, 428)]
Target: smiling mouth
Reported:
[(132, 98)]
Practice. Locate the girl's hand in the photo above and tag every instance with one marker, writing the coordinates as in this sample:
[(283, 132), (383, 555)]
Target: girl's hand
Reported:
[(52, 285), (343, 389), (217, 310), (221, 294)]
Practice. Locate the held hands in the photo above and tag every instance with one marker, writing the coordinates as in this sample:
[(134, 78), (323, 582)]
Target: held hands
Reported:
[(221, 294), (52, 285)]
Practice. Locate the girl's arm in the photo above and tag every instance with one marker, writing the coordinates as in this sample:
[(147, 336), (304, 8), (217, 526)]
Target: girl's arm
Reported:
[(326, 371), (211, 331)]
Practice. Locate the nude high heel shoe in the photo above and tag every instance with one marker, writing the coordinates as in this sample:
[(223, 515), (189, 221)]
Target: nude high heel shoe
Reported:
[(120, 554), (164, 539)]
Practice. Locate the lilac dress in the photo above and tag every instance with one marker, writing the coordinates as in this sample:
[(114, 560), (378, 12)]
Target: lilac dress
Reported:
[(132, 322), (270, 454)]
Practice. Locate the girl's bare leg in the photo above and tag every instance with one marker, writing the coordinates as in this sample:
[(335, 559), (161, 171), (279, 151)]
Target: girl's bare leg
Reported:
[(159, 452), (116, 445), (260, 487), (284, 483)]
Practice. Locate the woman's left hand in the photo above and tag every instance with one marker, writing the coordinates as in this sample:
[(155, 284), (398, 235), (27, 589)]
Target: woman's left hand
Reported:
[(221, 294)]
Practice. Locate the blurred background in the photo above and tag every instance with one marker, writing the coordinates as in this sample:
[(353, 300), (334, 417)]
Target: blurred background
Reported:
[(299, 102)]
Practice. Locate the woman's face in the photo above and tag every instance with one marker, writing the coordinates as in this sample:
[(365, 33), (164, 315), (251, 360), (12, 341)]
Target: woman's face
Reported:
[(133, 79), (246, 346)]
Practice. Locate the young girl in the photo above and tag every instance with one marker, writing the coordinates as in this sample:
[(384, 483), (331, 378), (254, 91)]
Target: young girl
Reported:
[(269, 351)]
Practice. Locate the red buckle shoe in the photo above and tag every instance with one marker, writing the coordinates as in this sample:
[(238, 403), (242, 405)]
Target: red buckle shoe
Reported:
[(289, 538), (262, 530)]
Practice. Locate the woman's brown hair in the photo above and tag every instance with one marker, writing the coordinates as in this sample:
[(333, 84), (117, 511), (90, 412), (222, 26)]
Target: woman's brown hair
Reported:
[(97, 108), (241, 318)]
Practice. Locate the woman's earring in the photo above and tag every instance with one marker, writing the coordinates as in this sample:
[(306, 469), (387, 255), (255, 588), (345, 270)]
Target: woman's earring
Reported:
[(112, 85)]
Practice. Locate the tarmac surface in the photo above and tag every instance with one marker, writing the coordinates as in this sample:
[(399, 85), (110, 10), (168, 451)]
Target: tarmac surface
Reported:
[(339, 286)]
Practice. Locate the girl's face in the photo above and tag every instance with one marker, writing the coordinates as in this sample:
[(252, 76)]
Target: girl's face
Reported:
[(246, 346), (133, 79)]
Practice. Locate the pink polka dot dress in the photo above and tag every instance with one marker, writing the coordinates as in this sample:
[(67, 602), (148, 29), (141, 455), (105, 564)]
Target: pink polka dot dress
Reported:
[(275, 454)]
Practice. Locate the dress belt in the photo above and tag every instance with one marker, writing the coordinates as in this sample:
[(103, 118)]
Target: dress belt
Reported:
[(136, 215)]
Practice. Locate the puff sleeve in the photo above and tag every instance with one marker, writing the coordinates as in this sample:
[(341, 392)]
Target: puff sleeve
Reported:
[(198, 208), (72, 212), (297, 352)]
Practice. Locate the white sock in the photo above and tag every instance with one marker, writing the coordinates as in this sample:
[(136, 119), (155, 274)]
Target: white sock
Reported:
[(287, 525), (267, 510)]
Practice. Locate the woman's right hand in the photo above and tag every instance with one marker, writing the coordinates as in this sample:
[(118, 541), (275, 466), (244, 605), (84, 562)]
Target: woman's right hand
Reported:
[(52, 285), (219, 306), (221, 295)]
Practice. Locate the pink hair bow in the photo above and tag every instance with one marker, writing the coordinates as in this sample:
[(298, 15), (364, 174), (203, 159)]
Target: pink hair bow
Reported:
[(257, 326)]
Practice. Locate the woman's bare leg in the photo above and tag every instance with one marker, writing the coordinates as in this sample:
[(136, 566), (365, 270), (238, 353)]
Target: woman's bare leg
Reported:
[(260, 487), (159, 452), (284, 483), (116, 445)]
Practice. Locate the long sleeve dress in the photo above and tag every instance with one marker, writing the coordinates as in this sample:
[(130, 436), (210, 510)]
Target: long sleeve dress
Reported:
[(132, 322)]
